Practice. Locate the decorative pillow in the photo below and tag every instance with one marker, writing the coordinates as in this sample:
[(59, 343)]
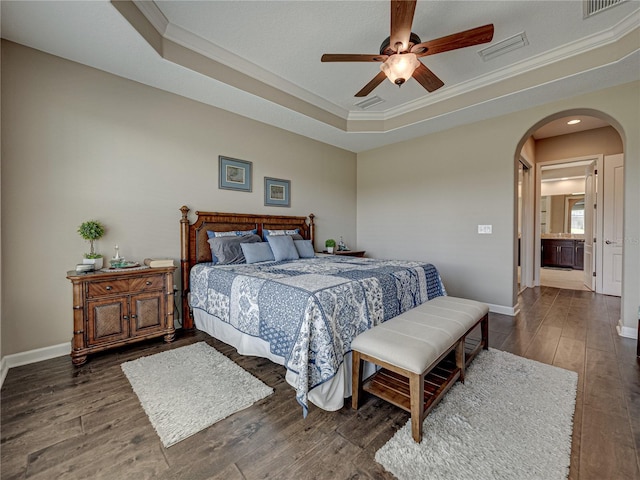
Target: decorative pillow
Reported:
[(227, 250), (304, 248), (232, 233), (257, 252), (283, 247), (266, 233)]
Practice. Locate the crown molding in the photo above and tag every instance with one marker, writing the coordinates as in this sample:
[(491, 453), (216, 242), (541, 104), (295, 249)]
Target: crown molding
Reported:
[(198, 44), (150, 10), (196, 53)]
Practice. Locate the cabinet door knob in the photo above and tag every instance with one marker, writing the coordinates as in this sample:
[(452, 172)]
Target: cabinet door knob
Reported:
[(148, 283), (126, 317), (109, 287), (134, 316)]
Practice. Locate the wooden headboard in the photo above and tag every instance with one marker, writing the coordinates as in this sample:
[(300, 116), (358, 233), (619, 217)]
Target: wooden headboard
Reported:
[(194, 247)]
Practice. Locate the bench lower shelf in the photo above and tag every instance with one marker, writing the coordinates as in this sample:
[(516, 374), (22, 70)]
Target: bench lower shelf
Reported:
[(394, 388)]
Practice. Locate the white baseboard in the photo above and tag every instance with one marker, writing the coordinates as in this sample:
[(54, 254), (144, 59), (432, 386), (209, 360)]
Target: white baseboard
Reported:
[(504, 310), (39, 354), (3, 370), (627, 332), (32, 356)]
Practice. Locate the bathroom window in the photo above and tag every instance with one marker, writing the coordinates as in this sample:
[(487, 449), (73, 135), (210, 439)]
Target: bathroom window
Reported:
[(577, 217)]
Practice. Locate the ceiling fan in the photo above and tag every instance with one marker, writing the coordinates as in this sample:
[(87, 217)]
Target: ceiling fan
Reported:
[(401, 50)]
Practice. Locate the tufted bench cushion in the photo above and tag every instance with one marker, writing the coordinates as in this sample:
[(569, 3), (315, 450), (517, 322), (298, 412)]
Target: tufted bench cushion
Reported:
[(412, 345)]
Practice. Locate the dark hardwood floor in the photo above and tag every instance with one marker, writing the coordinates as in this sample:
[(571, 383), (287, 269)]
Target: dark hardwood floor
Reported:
[(63, 422)]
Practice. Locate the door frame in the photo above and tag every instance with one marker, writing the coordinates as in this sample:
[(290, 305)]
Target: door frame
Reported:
[(527, 219), (598, 158)]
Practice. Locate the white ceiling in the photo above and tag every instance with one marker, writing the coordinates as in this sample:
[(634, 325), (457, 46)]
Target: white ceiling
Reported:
[(277, 45)]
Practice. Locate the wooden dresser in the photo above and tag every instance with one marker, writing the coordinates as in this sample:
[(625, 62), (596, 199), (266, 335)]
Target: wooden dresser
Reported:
[(111, 309)]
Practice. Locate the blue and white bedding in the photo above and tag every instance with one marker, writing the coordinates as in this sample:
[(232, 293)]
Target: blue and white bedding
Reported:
[(308, 311)]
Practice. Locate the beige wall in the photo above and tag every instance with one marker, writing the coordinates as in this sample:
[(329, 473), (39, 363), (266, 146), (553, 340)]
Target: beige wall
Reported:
[(424, 198), (529, 150), (81, 144), (604, 140)]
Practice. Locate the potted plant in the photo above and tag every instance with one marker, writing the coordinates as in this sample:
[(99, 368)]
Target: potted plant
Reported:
[(91, 231), (330, 244)]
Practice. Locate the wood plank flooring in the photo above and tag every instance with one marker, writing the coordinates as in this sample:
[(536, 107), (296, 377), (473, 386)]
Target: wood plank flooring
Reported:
[(63, 422)]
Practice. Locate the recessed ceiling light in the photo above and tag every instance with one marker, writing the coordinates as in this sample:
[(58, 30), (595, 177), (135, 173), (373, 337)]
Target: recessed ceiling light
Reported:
[(573, 122)]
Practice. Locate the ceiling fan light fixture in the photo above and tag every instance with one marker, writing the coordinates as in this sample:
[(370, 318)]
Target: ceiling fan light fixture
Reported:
[(399, 67)]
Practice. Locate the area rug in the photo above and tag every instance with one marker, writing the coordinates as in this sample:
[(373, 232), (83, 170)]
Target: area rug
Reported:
[(190, 388), (511, 419)]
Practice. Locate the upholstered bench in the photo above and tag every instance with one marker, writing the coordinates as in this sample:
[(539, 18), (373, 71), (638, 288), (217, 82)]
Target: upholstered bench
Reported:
[(422, 352)]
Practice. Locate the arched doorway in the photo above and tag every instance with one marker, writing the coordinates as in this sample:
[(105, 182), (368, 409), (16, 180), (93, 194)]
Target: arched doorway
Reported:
[(552, 142)]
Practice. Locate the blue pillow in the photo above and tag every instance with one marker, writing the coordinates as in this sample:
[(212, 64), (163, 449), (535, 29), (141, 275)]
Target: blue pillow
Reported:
[(257, 252), (283, 247), (304, 248)]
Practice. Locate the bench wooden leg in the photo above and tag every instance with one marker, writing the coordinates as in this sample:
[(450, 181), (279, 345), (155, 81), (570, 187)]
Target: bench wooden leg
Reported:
[(416, 392), (356, 379), (484, 327), (461, 361)]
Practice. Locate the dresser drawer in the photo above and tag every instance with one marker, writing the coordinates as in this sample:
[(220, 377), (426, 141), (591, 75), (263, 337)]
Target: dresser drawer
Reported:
[(151, 282), (107, 287)]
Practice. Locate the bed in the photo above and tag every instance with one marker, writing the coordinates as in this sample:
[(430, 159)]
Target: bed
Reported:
[(301, 313)]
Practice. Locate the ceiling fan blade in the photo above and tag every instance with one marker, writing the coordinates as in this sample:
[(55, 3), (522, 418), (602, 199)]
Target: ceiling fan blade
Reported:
[(401, 19), (368, 88), (356, 57), (427, 78), (474, 36)]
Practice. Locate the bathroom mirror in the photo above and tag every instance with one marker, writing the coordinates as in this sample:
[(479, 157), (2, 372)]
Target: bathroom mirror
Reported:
[(562, 214)]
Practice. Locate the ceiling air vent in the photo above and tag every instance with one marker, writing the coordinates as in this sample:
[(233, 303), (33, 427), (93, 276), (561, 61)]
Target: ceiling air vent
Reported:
[(504, 46), (591, 7), (369, 102)]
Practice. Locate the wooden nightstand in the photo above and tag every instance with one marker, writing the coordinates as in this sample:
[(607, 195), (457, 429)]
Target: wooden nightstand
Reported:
[(350, 253), (111, 309)]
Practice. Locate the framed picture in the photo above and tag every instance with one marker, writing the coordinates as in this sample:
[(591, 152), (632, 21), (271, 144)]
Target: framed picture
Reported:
[(234, 174), (277, 192)]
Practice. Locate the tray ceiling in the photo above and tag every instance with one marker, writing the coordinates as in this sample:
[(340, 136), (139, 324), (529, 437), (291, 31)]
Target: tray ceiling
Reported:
[(261, 59)]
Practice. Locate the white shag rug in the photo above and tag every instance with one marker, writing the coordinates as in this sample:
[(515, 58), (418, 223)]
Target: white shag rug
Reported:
[(190, 388), (512, 419)]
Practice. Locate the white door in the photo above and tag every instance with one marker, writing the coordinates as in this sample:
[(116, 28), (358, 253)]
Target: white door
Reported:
[(612, 225), (589, 226)]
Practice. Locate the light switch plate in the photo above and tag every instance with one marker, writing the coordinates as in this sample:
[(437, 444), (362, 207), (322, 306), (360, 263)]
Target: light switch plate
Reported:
[(485, 229)]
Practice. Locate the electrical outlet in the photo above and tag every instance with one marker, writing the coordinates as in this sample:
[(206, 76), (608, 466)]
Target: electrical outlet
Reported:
[(485, 229)]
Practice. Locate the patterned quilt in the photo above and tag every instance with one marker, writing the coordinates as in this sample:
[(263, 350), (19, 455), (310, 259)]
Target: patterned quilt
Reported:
[(309, 310)]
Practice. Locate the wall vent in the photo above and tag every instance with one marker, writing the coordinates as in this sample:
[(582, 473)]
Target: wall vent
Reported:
[(591, 7), (369, 102)]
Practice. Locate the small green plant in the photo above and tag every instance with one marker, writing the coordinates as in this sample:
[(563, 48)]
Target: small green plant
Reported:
[(91, 231), (330, 243)]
